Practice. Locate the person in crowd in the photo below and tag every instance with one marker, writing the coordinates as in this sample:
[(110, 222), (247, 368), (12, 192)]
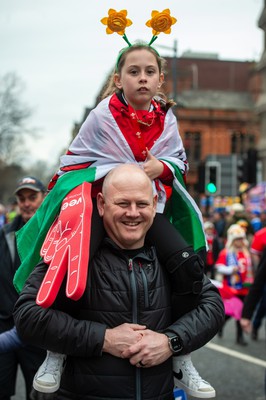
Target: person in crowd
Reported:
[(244, 224), (13, 210), (255, 220), (263, 218), (120, 336), (234, 264), (3, 218), (237, 212), (134, 123), (219, 221), (253, 298), (214, 247), (29, 193), (257, 247)]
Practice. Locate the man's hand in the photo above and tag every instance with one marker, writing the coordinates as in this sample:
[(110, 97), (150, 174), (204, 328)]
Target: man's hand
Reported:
[(152, 167), (153, 349), (120, 338)]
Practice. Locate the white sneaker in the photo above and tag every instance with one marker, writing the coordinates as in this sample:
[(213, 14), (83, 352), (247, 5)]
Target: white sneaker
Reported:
[(187, 378), (47, 378)]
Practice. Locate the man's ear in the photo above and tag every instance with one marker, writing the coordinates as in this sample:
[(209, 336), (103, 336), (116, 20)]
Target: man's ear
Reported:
[(117, 81), (100, 204), (155, 201)]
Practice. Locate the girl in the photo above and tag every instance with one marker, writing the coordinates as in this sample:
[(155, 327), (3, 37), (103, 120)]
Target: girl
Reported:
[(234, 264)]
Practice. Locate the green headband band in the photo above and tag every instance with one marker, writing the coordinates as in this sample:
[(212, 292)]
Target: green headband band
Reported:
[(125, 49)]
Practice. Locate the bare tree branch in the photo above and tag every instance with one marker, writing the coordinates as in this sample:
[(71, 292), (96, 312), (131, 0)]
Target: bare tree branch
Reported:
[(14, 115)]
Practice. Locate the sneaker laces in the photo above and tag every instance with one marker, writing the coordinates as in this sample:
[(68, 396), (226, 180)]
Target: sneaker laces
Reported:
[(192, 372), (53, 363)]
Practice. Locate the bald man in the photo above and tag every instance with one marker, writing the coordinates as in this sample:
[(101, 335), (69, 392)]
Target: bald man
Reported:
[(121, 335)]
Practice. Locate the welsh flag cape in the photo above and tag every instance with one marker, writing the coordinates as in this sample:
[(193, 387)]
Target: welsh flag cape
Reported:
[(99, 147), (181, 210)]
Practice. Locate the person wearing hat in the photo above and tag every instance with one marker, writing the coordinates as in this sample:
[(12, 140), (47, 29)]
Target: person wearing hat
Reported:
[(29, 193), (234, 264), (214, 247), (237, 212)]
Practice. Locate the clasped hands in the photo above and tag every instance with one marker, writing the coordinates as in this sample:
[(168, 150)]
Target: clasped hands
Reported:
[(143, 347)]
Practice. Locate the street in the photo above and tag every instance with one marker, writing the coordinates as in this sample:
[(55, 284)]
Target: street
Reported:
[(236, 372)]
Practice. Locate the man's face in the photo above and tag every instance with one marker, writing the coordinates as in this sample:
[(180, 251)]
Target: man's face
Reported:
[(28, 202), (128, 209)]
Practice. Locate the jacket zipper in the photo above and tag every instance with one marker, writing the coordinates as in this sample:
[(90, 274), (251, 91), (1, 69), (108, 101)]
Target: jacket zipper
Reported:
[(133, 284)]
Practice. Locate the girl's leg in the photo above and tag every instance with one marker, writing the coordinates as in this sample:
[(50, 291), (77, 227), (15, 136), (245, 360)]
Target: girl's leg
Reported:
[(183, 264), (97, 230)]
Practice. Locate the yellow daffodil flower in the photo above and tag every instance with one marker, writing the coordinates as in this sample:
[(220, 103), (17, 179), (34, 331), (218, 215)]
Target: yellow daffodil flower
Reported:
[(116, 21), (160, 22)]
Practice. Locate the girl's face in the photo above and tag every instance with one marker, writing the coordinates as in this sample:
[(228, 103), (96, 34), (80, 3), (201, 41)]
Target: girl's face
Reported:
[(139, 78), (239, 243)]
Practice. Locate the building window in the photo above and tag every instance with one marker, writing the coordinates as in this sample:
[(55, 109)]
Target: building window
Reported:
[(192, 144), (241, 142)]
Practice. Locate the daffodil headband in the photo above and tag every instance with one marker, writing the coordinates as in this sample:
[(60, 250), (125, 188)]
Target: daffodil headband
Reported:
[(117, 21)]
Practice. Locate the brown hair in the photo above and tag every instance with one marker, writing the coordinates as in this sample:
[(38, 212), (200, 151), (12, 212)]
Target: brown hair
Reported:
[(110, 86)]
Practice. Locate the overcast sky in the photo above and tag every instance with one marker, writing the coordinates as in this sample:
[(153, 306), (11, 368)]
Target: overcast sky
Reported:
[(60, 50)]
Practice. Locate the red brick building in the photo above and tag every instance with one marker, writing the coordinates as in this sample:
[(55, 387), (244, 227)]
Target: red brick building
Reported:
[(215, 107)]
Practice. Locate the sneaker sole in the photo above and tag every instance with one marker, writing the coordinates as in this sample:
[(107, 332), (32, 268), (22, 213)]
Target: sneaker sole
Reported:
[(199, 395), (44, 389)]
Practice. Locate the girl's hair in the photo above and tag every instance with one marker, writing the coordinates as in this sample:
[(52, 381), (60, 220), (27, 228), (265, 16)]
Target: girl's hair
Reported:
[(110, 86)]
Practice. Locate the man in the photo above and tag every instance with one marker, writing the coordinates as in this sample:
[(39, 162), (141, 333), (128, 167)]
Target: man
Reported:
[(120, 336), (257, 247), (254, 298), (29, 194)]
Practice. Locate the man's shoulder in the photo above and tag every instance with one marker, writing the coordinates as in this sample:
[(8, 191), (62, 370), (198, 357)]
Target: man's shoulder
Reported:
[(261, 233), (259, 241)]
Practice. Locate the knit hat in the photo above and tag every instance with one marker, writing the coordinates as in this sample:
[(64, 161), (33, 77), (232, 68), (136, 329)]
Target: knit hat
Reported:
[(235, 231)]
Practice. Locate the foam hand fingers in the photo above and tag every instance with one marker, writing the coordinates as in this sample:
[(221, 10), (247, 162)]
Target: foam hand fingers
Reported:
[(66, 247)]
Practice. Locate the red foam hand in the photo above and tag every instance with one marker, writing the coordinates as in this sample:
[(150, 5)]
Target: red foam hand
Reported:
[(66, 247)]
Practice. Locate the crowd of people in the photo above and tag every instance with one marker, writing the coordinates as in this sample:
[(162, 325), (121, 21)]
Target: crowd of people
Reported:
[(237, 239), (8, 212)]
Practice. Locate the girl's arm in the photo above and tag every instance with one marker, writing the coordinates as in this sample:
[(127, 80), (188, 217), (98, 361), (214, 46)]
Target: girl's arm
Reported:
[(222, 266)]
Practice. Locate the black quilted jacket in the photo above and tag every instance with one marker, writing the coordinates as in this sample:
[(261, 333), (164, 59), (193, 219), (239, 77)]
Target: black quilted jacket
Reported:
[(119, 289)]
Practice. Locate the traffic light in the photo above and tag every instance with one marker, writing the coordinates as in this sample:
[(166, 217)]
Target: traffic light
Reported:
[(247, 167), (242, 170), (201, 178), (212, 178), (252, 158)]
